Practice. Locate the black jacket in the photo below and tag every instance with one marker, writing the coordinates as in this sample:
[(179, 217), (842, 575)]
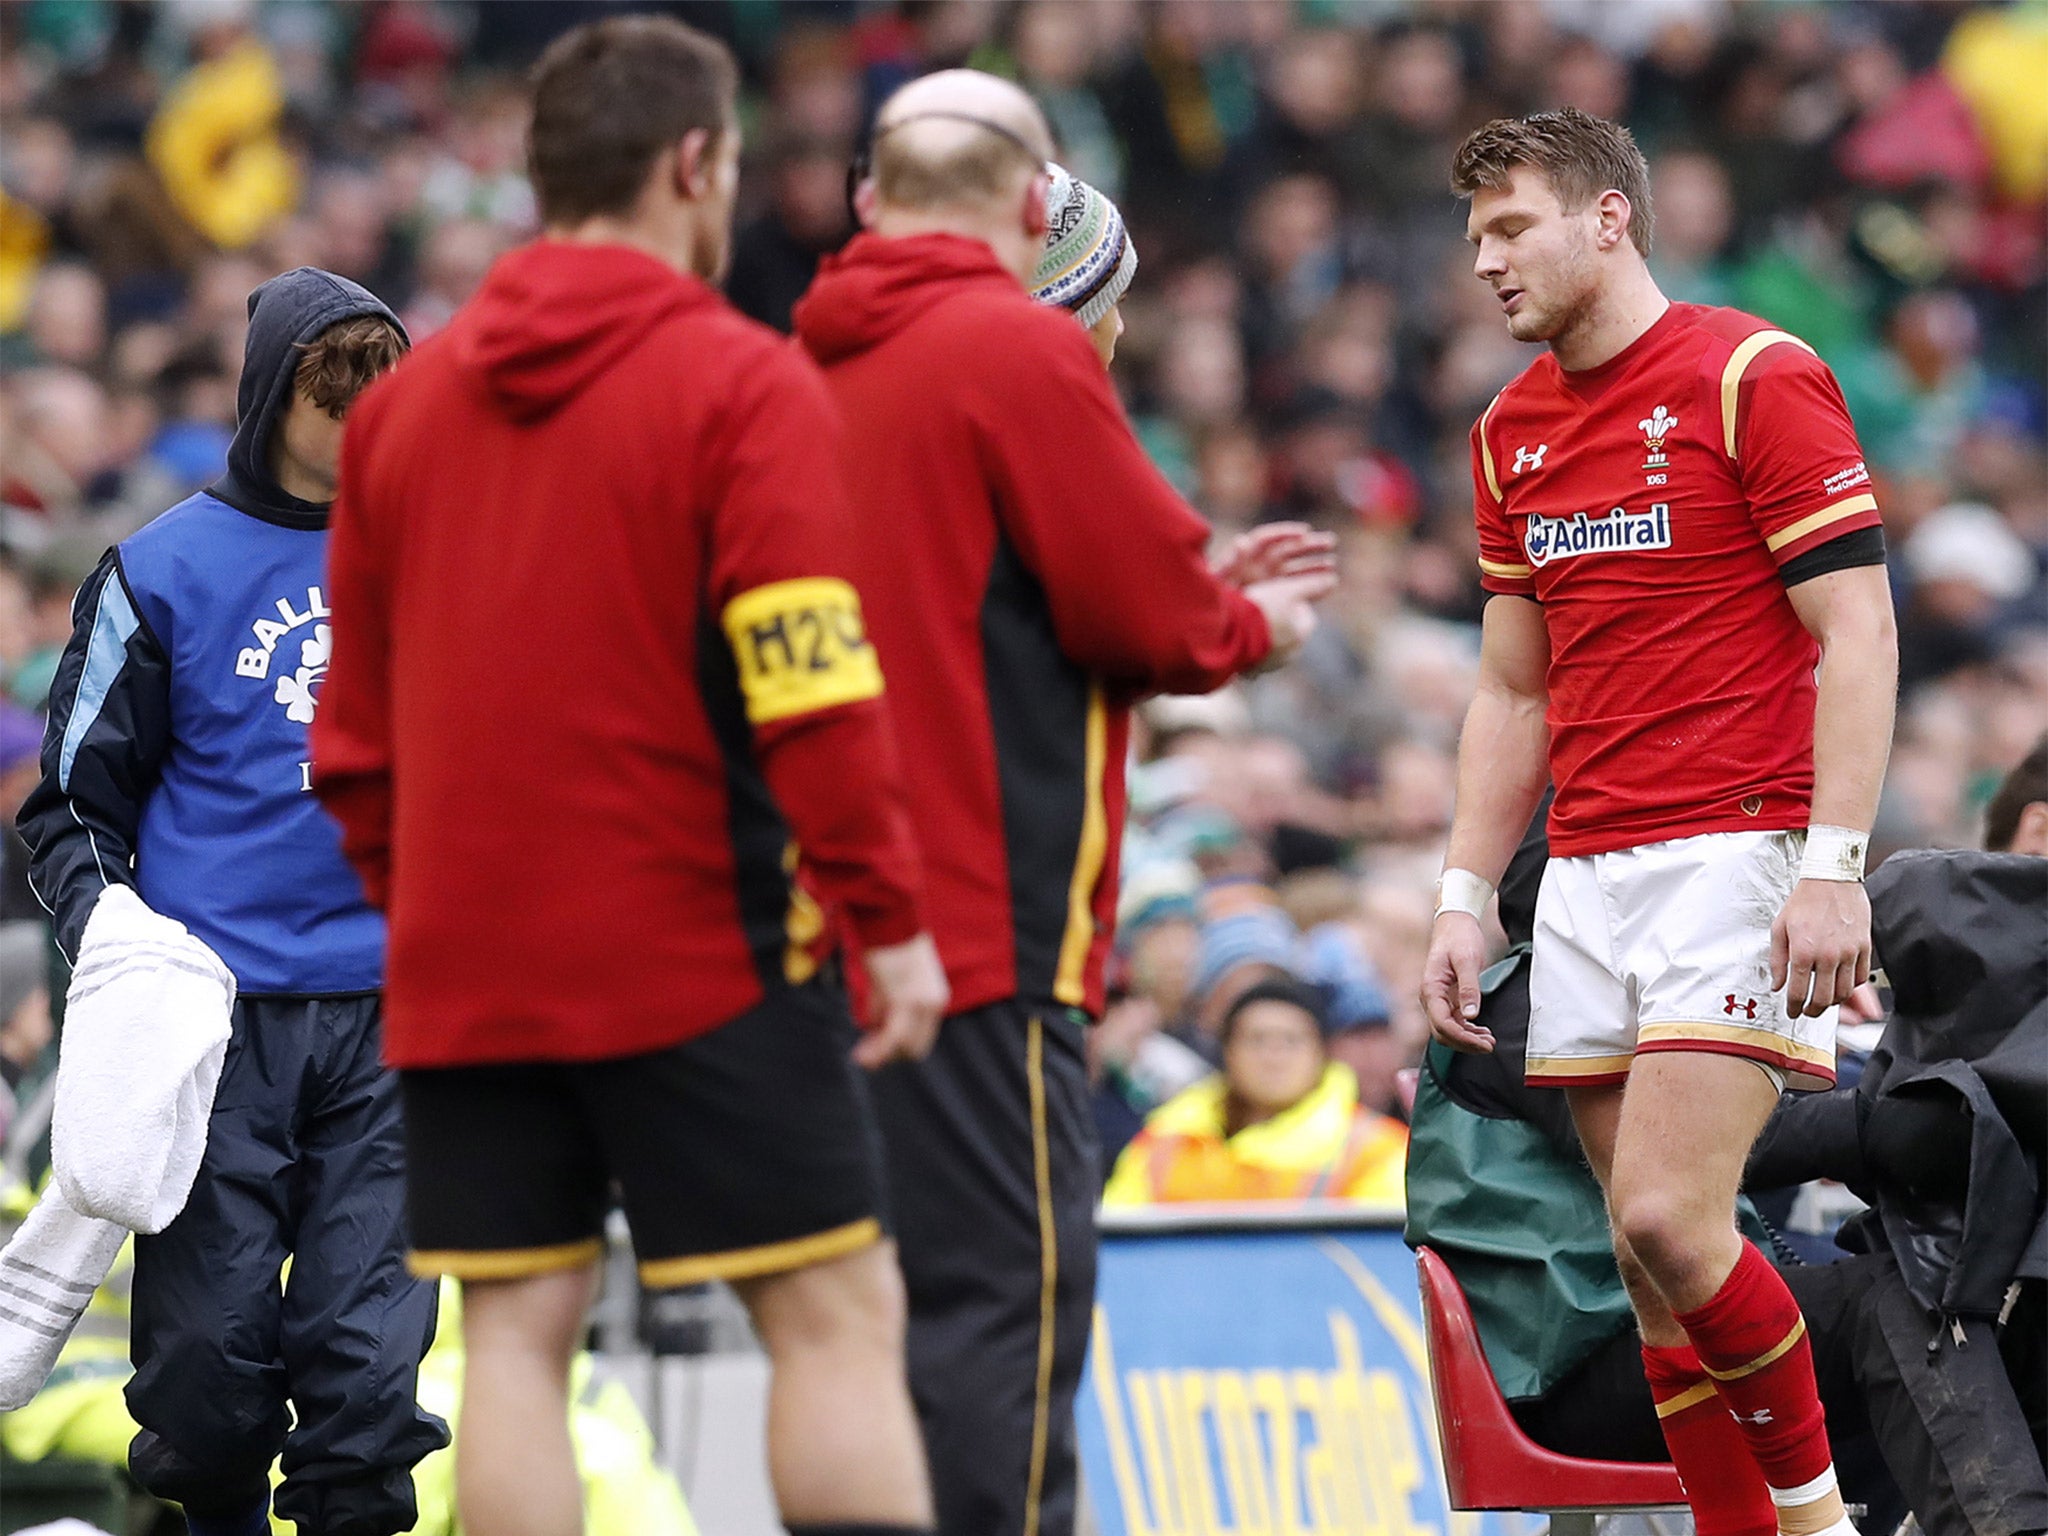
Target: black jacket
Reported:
[(1946, 1135)]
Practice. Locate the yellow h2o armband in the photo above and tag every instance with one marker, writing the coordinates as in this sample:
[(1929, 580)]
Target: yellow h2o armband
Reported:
[(800, 646)]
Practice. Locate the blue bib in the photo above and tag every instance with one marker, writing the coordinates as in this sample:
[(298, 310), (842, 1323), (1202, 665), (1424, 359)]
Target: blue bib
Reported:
[(232, 842)]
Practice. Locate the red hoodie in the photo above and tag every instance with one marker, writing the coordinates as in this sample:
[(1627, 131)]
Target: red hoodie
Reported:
[(598, 671), (1028, 573)]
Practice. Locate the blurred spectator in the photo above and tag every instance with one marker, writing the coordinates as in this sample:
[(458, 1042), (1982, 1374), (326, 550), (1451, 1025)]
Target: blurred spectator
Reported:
[(49, 580), (1054, 48), (1997, 59), (1245, 940), (17, 633), (21, 745), (1309, 110), (457, 255), (2017, 819), (1967, 568), (1179, 100), (215, 141), (70, 465), (60, 451), (1135, 1059), (24, 1008), (478, 169), (1337, 958), (1695, 218), (348, 228), (1419, 99), (67, 316), (1294, 261), (775, 255), (1281, 1121)]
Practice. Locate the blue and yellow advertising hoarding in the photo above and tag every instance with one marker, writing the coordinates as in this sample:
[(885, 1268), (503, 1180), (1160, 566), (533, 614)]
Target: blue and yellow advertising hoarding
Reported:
[(1262, 1375)]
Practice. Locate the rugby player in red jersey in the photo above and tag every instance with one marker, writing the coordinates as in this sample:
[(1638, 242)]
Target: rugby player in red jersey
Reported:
[(1691, 634)]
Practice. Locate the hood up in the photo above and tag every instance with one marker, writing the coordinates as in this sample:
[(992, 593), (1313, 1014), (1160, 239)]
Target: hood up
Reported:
[(875, 287), (554, 315), (1959, 935), (284, 314)]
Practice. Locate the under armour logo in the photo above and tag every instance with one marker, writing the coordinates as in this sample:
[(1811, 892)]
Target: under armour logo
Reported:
[(1761, 1417), (1530, 459), (1748, 1004)]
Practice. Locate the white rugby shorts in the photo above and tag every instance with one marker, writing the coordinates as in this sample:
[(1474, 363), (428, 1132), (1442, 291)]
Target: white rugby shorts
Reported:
[(1667, 947)]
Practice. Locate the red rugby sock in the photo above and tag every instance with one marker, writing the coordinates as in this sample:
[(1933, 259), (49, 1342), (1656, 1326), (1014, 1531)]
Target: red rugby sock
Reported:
[(1752, 1341), (1722, 1484)]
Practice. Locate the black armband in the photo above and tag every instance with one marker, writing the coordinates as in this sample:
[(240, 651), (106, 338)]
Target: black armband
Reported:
[(1863, 546)]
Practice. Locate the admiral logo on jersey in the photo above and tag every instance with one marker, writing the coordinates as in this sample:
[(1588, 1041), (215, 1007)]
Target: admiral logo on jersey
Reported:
[(1560, 538)]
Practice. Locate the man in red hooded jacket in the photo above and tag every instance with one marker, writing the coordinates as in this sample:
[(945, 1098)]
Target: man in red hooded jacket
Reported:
[(599, 684), (1029, 574)]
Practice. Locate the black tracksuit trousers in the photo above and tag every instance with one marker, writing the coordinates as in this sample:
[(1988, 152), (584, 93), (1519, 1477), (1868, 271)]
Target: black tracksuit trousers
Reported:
[(304, 1159), (993, 1173)]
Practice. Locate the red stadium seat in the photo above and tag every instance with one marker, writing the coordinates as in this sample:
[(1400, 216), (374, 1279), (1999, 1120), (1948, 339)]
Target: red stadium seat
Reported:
[(1488, 1462)]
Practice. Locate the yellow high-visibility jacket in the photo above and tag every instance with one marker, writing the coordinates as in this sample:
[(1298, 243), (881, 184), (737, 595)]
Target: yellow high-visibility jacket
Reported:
[(1327, 1146)]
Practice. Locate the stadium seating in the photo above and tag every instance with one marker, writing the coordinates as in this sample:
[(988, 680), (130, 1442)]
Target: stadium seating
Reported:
[(1488, 1462)]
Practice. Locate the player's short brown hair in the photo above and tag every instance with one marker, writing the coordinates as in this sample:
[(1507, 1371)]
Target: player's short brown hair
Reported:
[(1580, 155), (339, 363), (608, 98), (2026, 785)]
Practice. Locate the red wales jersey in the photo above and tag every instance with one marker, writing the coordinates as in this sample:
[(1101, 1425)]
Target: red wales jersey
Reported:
[(1649, 505)]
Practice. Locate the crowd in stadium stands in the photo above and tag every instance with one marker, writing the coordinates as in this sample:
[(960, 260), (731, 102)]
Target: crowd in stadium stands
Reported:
[(1304, 340)]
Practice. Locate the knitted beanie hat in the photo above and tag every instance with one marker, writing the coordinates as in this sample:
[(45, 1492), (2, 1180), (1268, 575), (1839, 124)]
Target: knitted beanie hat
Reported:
[(1257, 935), (1334, 959), (1089, 260)]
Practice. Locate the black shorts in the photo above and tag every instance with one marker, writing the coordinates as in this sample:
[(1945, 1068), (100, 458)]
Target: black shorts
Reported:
[(746, 1151)]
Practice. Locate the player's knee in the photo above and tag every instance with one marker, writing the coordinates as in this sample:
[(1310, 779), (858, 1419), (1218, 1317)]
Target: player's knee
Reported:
[(854, 1303), (1658, 1233)]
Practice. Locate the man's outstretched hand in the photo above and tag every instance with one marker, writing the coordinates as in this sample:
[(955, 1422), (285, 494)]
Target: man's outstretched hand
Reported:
[(1273, 550)]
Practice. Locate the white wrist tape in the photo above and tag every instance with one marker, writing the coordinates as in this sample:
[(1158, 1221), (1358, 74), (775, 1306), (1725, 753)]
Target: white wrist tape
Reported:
[(1462, 891), (1834, 853)]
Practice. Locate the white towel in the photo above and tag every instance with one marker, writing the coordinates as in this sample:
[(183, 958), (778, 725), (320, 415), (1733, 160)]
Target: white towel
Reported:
[(145, 1031), (48, 1272)]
